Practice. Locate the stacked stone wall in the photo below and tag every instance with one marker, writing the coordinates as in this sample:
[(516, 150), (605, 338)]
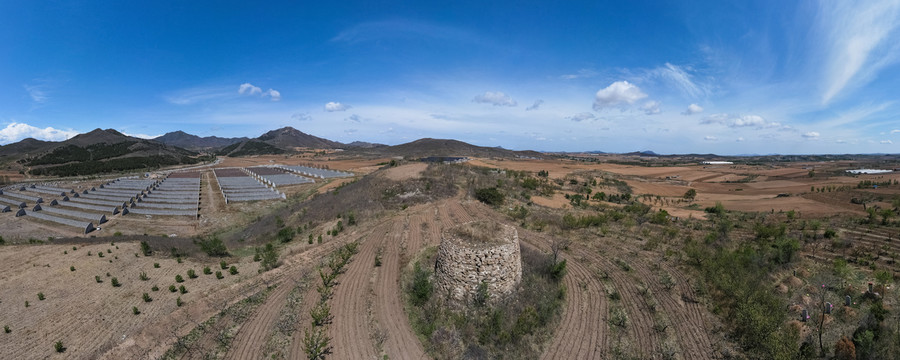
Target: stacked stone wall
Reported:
[(462, 265)]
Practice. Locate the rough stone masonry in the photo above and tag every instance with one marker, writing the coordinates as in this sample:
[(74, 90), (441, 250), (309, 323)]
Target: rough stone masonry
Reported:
[(476, 252)]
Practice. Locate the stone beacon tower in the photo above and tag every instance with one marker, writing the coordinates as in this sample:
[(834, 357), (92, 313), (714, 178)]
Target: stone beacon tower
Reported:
[(476, 252)]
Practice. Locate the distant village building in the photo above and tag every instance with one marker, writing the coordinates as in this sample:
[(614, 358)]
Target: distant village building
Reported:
[(717, 163)]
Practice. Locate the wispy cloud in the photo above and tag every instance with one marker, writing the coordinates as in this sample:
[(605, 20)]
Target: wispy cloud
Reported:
[(710, 138), (862, 39), (353, 118), (304, 116), (495, 98), (679, 78), (581, 117), (17, 131), (887, 142), (692, 109), (537, 104), (740, 121), (197, 95), (37, 93), (580, 74), (811, 135), (333, 106), (617, 94), (405, 29)]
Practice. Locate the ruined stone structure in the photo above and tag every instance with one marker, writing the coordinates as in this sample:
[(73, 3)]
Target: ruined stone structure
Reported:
[(476, 252)]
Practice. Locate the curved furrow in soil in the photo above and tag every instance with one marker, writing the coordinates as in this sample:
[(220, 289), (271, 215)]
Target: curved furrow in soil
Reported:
[(640, 322), (693, 332), (685, 321), (201, 306), (349, 330), (400, 342), (251, 337), (582, 332), (459, 212)]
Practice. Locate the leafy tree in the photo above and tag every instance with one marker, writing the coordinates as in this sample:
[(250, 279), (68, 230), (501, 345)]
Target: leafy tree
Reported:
[(316, 344), (269, 257), (690, 194)]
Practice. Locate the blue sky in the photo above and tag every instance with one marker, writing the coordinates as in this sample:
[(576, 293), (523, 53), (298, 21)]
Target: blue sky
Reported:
[(701, 77)]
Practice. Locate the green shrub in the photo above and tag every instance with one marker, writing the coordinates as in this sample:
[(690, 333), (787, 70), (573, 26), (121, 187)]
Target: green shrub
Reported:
[(490, 196), (115, 282), (100, 253), (27, 304), (145, 248), (320, 239), (421, 288), (219, 275), (182, 289), (213, 247), (71, 268), (97, 278), (6, 329), (316, 343), (233, 270), (179, 279), (310, 241), (58, 346), (320, 314), (156, 265), (223, 264), (155, 288), (144, 276), (147, 297), (207, 271), (117, 233), (135, 310), (191, 274), (558, 270), (285, 234), (179, 302), (41, 296), (172, 288)]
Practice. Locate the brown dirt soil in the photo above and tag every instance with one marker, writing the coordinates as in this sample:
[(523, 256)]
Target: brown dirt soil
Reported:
[(90, 318), (405, 172)]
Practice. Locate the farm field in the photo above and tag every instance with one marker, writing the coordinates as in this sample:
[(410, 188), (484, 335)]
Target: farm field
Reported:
[(630, 284)]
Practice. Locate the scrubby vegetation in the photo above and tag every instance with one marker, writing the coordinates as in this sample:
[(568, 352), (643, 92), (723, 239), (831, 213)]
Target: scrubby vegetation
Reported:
[(512, 328)]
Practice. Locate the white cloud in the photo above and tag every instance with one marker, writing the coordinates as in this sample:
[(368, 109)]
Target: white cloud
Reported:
[(651, 107), (495, 98), (754, 121), (887, 142), (710, 138), (275, 94), (304, 116), (841, 141), (692, 109), (354, 118), (861, 41), (619, 93), (535, 106), (581, 117), (249, 89), (141, 136), (18, 131), (811, 135), (740, 139), (332, 106), (37, 93), (894, 131)]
